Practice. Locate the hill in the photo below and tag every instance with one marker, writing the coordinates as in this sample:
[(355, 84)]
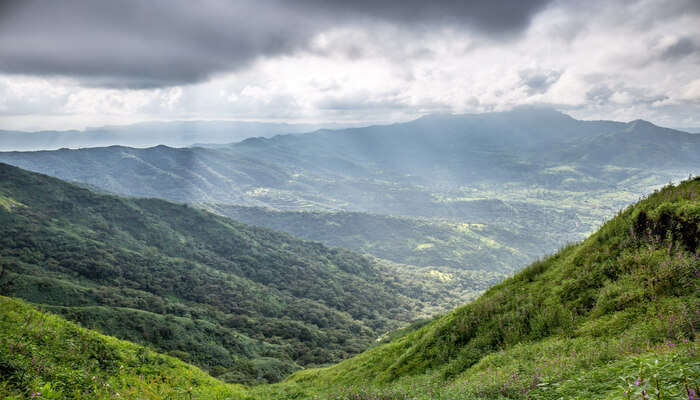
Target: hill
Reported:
[(248, 304), (609, 317), (43, 356)]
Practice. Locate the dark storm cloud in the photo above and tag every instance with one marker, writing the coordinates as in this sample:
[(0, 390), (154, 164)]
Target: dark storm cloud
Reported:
[(494, 17), (158, 43), (143, 43)]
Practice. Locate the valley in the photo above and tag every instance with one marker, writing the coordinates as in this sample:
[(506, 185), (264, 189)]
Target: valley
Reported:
[(611, 317), (378, 262)]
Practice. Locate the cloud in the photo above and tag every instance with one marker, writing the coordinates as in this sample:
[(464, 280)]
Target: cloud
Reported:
[(538, 81), (159, 43), (692, 91), (492, 17), (600, 94), (680, 48), (357, 61), (145, 44)]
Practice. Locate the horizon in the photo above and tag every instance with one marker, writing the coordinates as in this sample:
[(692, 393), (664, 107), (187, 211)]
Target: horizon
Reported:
[(340, 126)]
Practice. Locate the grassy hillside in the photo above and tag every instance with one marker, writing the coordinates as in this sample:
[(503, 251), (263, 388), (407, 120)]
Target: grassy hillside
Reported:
[(43, 356), (607, 318), (248, 304)]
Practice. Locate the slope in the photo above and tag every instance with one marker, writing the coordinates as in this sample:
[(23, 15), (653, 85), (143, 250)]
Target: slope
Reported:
[(43, 356), (606, 318), (249, 304)]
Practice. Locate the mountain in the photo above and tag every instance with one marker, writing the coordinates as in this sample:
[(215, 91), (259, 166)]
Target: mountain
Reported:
[(640, 141), (147, 134), (534, 173), (394, 167), (248, 304), (609, 317)]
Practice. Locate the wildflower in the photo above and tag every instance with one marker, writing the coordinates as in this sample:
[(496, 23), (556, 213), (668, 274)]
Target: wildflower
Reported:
[(691, 394), (36, 394), (638, 381)]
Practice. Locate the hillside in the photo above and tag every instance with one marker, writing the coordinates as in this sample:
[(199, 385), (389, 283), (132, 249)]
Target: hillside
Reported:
[(248, 304), (606, 318), (43, 356)]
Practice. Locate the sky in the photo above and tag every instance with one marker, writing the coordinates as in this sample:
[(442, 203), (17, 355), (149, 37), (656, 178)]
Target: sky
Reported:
[(71, 64)]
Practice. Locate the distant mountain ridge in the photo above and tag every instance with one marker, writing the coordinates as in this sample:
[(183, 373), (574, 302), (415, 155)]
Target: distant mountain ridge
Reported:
[(442, 152), (640, 142), (147, 134)]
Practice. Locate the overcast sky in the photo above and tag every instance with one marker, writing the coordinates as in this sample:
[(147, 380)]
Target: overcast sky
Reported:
[(71, 64)]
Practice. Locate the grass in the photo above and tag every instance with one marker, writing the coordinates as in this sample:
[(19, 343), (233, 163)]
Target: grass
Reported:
[(44, 356)]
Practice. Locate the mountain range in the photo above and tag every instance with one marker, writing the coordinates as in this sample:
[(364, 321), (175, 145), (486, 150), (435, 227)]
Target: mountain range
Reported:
[(146, 134), (534, 173)]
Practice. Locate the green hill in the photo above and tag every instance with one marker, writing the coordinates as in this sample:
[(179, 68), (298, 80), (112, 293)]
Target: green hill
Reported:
[(607, 318), (247, 304), (45, 357)]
